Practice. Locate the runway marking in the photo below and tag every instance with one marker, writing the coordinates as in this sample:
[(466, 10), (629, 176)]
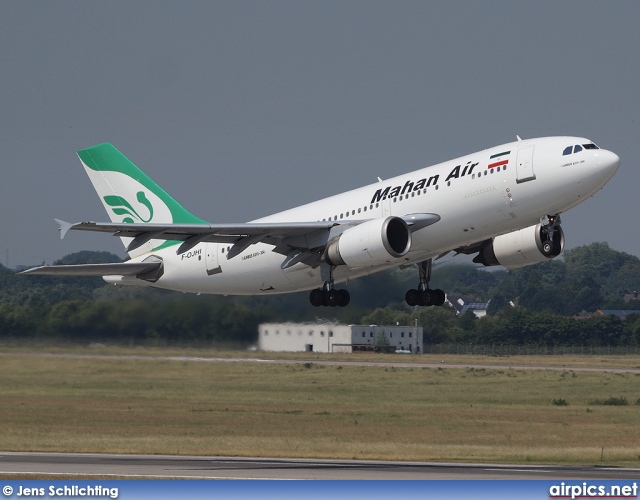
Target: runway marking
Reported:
[(543, 471), (201, 468), (398, 364), (161, 476)]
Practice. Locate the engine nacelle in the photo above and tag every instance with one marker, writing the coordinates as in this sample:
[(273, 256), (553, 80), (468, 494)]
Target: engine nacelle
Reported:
[(522, 248), (373, 242)]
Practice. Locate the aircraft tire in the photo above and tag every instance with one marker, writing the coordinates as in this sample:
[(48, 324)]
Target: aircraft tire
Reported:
[(332, 298), (427, 298), (412, 297), (345, 298), (316, 297), (548, 248)]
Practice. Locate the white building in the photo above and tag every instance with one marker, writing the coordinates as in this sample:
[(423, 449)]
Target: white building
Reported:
[(331, 337), (463, 304)]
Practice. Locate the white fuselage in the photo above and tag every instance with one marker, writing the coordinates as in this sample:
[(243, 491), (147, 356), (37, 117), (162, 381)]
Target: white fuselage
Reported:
[(528, 180)]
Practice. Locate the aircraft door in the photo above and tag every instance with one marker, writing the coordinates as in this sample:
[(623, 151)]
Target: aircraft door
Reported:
[(211, 259), (524, 165), (386, 207)]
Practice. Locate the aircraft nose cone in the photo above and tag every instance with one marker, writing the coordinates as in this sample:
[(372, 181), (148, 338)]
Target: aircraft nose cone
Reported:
[(608, 160)]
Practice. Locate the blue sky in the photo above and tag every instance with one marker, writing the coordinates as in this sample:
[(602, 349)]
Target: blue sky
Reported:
[(244, 108)]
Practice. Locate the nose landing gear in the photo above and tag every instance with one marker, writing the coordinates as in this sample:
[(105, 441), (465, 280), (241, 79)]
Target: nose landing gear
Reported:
[(551, 235)]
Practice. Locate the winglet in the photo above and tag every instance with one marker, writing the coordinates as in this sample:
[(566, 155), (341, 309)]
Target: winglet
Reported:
[(63, 227)]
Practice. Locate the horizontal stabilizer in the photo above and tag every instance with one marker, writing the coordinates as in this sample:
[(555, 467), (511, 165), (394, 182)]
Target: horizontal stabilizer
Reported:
[(63, 227), (115, 269)]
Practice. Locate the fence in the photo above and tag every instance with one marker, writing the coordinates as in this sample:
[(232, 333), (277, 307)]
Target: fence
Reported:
[(528, 350)]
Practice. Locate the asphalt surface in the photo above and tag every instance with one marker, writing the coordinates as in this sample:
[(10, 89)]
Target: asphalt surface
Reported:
[(33, 465)]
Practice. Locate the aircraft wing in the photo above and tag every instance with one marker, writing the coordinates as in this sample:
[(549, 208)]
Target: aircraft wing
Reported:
[(297, 240), (300, 235), (240, 235)]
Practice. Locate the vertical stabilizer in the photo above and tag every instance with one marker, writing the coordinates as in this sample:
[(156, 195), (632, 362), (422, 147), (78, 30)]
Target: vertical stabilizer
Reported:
[(129, 195)]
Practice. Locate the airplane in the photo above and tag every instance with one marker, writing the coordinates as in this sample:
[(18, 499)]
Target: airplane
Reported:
[(502, 203)]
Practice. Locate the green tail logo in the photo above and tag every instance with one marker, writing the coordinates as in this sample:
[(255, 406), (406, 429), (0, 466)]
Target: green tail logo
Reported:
[(120, 206)]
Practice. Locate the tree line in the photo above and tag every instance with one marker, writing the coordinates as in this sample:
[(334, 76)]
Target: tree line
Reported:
[(529, 306)]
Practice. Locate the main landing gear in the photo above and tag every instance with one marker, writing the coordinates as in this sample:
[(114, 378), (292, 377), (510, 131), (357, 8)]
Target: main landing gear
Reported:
[(424, 296), (332, 297), (328, 295)]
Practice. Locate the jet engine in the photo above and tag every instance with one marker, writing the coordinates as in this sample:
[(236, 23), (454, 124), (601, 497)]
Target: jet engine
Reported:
[(373, 242), (522, 248)]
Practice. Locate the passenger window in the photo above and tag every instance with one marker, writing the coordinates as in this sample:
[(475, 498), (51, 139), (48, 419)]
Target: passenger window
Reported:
[(577, 149), (567, 151)]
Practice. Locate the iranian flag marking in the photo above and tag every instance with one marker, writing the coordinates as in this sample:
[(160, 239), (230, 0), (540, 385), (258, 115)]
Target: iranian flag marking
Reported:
[(499, 159)]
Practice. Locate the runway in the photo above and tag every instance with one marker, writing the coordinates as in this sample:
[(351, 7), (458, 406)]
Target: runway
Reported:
[(397, 364), (87, 466)]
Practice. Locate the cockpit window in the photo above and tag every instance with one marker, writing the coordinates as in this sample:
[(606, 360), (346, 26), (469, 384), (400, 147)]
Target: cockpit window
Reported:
[(577, 148)]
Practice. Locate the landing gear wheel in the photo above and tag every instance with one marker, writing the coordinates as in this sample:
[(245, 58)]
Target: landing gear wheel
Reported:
[(548, 248), (427, 298), (345, 298), (440, 297), (316, 297), (412, 297), (332, 298)]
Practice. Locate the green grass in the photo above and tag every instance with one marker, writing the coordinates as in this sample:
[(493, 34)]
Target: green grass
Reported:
[(609, 361), (312, 410)]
